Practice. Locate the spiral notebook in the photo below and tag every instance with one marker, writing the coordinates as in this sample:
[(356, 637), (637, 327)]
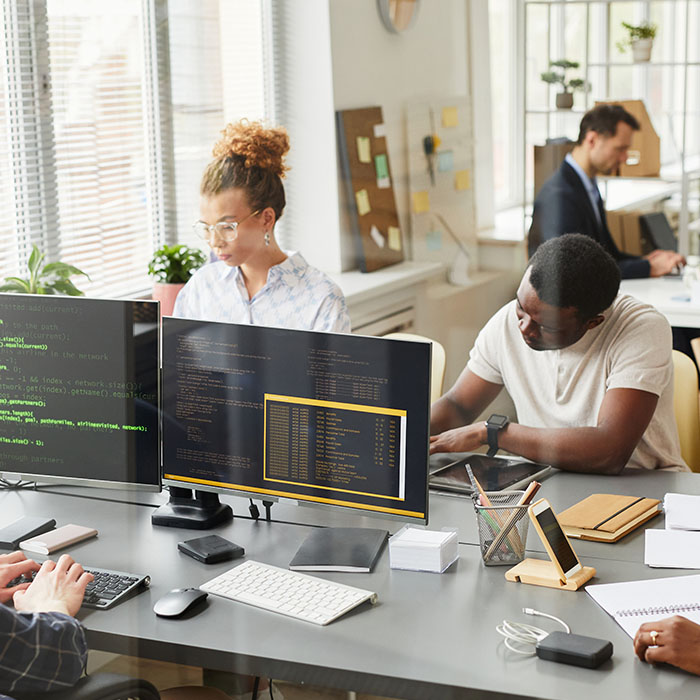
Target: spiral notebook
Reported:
[(635, 602)]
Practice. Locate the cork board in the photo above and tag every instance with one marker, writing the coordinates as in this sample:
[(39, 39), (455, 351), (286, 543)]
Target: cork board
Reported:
[(367, 177), (443, 227)]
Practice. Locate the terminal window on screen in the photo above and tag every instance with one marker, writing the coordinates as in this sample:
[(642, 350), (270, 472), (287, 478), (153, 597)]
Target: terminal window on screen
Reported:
[(319, 417), (79, 389)]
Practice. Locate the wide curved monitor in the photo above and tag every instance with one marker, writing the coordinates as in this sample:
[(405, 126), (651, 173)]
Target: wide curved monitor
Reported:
[(325, 418), (79, 391)]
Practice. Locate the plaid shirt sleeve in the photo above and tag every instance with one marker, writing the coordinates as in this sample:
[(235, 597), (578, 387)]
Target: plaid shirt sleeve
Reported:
[(39, 651)]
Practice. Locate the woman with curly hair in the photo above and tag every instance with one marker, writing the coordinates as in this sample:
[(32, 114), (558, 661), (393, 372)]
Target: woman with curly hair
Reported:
[(254, 281)]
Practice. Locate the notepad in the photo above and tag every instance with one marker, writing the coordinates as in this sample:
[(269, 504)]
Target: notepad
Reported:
[(682, 511), (604, 517), (634, 602), (423, 550), (672, 549), (340, 549)]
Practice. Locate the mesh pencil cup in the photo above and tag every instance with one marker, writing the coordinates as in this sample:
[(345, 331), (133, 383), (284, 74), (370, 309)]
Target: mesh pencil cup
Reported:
[(502, 528)]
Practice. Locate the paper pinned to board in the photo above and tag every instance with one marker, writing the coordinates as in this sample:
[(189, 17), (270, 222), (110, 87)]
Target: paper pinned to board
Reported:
[(394, 238), (421, 202), (463, 180), (379, 131), (362, 199), (381, 165), (445, 161), (364, 153), (450, 118), (376, 236)]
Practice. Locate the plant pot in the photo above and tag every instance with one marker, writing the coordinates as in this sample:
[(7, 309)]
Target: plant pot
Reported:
[(166, 294), (565, 100), (641, 50)]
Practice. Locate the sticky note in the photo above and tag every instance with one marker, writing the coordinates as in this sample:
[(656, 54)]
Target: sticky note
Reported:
[(445, 162), (384, 183), (433, 240), (362, 199), (381, 165), (421, 202), (462, 180), (379, 131), (377, 237), (449, 117), (394, 238), (363, 149)]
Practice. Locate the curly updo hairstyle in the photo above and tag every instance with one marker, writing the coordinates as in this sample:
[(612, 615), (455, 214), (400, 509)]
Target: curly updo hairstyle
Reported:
[(250, 156)]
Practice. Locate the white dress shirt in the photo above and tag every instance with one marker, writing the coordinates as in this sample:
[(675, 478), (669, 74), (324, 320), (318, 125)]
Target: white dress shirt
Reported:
[(296, 295)]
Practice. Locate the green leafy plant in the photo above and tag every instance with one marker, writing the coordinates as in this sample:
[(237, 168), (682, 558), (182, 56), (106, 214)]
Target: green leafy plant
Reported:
[(52, 278), (175, 264), (554, 77), (645, 30)]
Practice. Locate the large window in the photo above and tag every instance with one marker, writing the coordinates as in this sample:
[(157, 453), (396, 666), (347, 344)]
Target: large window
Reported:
[(108, 113)]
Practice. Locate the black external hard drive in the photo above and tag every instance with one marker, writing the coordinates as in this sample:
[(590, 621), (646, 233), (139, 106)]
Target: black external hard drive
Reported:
[(210, 549), (574, 649), (23, 529)]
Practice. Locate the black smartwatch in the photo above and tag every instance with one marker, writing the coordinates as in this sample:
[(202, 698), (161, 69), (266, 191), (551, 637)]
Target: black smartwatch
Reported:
[(494, 424)]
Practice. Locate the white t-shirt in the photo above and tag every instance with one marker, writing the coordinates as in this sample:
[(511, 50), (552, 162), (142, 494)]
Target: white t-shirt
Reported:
[(564, 388), (296, 295)]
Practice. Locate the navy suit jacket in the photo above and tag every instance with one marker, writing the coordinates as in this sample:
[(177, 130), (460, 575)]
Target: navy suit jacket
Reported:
[(563, 206)]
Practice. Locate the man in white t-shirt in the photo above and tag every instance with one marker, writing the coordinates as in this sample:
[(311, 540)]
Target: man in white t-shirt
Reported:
[(589, 371)]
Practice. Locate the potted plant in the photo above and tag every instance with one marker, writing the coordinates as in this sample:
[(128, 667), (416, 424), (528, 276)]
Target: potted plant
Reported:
[(52, 278), (565, 98), (640, 38), (172, 266)]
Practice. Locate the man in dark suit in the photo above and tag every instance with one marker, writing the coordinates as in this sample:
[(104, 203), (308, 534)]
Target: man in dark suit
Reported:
[(569, 202)]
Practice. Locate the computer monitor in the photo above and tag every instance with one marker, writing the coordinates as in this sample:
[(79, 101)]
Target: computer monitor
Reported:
[(323, 418), (658, 231), (79, 391)]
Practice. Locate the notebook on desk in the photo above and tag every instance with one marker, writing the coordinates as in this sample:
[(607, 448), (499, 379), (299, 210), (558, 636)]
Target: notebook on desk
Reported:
[(448, 472)]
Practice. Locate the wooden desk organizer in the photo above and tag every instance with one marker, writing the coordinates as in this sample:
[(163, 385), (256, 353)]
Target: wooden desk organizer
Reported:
[(541, 572)]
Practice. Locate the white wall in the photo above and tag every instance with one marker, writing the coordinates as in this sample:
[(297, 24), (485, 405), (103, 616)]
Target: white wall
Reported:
[(372, 66)]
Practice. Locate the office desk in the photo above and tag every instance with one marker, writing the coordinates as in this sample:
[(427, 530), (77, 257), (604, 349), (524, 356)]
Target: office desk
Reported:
[(667, 295), (430, 635), (562, 489)]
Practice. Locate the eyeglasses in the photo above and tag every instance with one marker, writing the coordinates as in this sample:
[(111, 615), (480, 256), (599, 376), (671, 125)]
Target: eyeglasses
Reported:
[(223, 231)]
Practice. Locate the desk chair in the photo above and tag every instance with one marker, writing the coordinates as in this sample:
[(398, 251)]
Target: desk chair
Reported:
[(437, 367), (101, 686), (686, 408)]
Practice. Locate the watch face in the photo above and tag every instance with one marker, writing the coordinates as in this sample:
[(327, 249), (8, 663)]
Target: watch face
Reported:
[(497, 421)]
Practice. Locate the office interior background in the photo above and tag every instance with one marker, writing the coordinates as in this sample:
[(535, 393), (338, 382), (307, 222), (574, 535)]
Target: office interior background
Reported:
[(110, 110)]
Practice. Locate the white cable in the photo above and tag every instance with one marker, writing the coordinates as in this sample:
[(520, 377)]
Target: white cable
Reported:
[(518, 633)]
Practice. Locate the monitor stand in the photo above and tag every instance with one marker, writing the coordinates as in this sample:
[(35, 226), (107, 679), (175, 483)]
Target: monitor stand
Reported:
[(200, 512)]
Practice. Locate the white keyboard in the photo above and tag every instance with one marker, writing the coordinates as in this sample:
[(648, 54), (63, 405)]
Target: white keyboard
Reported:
[(287, 592)]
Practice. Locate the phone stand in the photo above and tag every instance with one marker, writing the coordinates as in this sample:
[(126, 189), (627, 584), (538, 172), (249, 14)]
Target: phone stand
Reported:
[(541, 572)]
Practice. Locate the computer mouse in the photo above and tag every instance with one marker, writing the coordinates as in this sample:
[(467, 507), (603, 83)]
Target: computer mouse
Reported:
[(178, 601)]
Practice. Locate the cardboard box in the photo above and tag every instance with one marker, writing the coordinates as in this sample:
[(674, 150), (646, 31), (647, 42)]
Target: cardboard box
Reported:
[(644, 156), (614, 219), (547, 160)]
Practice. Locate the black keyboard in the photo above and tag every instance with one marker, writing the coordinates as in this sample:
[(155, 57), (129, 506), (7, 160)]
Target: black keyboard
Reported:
[(106, 590), (111, 587)]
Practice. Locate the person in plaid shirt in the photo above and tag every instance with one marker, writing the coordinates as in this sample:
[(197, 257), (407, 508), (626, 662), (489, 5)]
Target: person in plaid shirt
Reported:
[(42, 646)]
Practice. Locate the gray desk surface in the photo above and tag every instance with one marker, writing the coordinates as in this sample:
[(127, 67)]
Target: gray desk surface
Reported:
[(562, 489), (430, 635)]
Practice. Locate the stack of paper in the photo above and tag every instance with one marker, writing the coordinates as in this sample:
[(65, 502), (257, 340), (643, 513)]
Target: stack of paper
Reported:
[(682, 511), (422, 550), (678, 546)]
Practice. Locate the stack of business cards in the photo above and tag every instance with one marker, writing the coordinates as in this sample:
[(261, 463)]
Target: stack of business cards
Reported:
[(423, 550)]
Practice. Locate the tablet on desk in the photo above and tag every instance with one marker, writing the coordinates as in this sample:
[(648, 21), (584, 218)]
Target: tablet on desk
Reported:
[(448, 472)]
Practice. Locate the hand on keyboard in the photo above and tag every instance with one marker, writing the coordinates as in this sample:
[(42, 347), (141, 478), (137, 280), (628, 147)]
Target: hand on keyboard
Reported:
[(287, 592), (57, 587)]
